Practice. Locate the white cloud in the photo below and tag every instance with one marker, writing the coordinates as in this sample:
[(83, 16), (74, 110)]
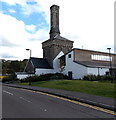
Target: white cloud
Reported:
[(6, 55), (89, 23), (1, 11), (15, 39), (12, 11), (13, 2), (28, 9), (12, 29), (40, 35), (6, 42), (30, 28)]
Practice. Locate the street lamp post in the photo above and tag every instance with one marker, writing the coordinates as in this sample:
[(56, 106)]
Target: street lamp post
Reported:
[(30, 51), (30, 57), (110, 59)]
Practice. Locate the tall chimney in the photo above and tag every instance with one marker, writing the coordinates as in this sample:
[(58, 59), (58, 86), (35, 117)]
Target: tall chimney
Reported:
[(54, 28)]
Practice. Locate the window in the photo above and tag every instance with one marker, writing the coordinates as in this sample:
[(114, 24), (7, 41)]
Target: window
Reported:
[(69, 56), (63, 61), (101, 57)]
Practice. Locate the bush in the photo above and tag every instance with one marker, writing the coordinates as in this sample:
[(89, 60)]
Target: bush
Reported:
[(102, 78), (29, 79), (90, 77), (10, 78), (108, 78), (44, 77), (59, 76)]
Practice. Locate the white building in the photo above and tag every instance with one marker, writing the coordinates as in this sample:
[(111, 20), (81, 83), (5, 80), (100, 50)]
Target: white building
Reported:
[(79, 62), (76, 64)]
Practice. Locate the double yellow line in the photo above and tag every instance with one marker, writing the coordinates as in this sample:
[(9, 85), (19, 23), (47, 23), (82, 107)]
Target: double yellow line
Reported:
[(73, 101)]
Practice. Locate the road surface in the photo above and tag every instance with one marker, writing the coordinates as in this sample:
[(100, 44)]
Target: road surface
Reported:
[(21, 103)]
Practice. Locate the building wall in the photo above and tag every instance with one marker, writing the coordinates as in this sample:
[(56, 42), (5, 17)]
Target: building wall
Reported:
[(97, 71), (29, 67), (85, 55), (51, 48), (39, 71), (22, 76), (78, 71)]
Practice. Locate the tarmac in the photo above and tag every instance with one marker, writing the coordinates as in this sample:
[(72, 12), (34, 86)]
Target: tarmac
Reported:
[(99, 101)]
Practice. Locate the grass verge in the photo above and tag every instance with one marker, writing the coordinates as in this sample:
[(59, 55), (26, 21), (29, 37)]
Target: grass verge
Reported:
[(89, 87)]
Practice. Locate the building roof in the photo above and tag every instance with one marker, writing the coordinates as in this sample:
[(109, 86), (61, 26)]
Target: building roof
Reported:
[(93, 51), (60, 37), (92, 63), (95, 64), (89, 51), (40, 63)]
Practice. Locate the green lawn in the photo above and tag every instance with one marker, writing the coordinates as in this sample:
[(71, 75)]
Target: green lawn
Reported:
[(96, 88)]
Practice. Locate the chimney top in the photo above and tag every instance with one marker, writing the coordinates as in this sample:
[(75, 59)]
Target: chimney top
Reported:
[(54, 27), (54, 6)]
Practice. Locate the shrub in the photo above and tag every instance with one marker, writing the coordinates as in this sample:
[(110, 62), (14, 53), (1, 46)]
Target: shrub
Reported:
[(90, 77), (29, 79), (102, 78), (108, 78), (44, 77), (10, 78), (59, 76)]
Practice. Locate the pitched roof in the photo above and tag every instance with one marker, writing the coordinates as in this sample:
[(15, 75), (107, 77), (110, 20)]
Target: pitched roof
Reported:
[(88, 51), (95, 64), (40, 63), (93, 51), (60, 38)]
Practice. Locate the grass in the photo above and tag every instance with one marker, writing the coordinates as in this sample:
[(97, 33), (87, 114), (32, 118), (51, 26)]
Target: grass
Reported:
[(96, 88)]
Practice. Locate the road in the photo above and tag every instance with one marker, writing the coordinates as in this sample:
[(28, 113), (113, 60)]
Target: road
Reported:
[(20, 103)]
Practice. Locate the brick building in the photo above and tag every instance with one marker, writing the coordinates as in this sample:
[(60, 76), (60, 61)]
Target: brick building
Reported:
[(56, 43)]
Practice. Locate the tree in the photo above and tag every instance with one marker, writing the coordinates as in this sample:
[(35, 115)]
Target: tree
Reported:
[(10, 67)]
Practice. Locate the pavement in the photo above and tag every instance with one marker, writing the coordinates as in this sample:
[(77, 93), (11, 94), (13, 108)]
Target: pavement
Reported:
[(99, 101)]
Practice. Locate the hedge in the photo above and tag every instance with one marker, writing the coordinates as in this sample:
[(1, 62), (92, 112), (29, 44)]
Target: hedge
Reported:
[(45, 77), (100, 78)]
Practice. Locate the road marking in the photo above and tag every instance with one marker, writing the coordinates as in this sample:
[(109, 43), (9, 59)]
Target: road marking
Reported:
[(73, 101), (25, 99), (7, 92), (83, 99)]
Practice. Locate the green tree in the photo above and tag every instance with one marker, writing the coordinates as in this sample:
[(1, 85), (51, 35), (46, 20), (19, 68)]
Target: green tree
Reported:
[(10, 67)]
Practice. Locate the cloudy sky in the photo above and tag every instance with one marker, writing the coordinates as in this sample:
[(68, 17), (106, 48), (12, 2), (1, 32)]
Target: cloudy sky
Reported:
[(26, 23)]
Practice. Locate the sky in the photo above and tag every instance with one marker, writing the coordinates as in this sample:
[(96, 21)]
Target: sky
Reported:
[(25, 24)]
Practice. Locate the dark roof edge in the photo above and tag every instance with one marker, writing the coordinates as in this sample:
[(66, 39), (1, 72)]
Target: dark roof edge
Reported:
[(43, 68), (88, 50), (80, 63), (91, 65), (59, 37), (36, 58), (92, 51)]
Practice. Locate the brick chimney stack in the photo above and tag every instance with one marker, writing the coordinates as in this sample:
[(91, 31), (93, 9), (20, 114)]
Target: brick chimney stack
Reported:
[(54, 27), (56, 43)]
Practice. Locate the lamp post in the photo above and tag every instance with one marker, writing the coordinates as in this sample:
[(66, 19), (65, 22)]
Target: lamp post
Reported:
[(110, 59), (30, 51), (30, 57)]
